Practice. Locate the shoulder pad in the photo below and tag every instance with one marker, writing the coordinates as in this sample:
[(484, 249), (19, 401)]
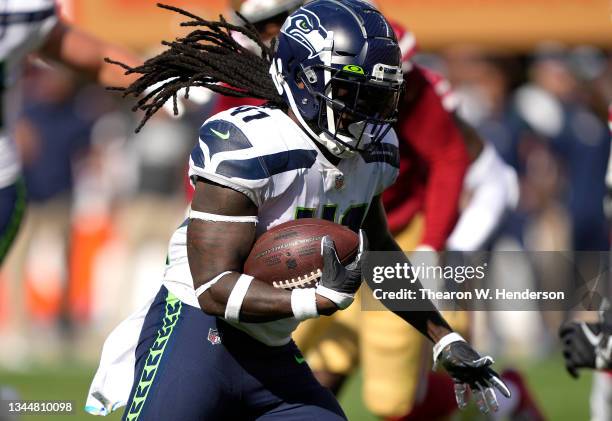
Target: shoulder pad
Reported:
[(223, 136), (231, 148)]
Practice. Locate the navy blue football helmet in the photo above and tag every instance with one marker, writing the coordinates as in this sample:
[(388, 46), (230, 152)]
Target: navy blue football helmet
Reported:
[(337, 66)]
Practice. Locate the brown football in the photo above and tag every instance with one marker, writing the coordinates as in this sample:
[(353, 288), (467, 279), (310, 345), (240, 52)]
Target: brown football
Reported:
[(289, 255)]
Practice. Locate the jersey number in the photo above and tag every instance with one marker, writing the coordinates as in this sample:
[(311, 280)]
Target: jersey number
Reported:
[(351, 218), (257, 115)]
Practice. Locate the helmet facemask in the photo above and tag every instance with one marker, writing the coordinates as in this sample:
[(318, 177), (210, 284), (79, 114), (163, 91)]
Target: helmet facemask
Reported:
[(355, 111)]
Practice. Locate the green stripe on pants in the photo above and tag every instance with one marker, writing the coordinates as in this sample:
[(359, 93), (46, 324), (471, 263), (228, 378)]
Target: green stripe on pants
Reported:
[(156, 352)]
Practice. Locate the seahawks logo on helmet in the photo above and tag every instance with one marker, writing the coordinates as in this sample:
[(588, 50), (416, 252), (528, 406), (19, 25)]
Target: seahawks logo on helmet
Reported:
[(305, 27)]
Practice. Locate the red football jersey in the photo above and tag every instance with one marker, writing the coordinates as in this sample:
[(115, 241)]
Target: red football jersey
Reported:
[(433, 160)]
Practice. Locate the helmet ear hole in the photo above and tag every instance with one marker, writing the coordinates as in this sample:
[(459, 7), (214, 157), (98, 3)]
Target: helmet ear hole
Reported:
[(307, 75), (311, 76)]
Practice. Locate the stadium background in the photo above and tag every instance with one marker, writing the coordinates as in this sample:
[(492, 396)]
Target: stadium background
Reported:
[(104, 201)]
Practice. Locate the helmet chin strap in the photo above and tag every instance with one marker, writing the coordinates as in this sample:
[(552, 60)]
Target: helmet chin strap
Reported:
[(362, 134), (360, 137), (333, 146)]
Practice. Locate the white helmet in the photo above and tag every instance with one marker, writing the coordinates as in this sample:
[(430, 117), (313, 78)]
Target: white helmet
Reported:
[(259, 10)]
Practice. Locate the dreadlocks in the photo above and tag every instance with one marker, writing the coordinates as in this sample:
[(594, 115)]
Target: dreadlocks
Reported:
[(208, 58)]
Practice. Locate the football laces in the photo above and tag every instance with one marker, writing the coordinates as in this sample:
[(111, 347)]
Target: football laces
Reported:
[(303, 281)]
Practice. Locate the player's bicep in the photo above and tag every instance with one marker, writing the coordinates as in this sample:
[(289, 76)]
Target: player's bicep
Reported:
[(217, 244)]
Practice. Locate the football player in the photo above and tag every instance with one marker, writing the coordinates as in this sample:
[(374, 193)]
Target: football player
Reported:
[(589, 345), (433, 159), (216, 343), (436, 151), (32, 26)]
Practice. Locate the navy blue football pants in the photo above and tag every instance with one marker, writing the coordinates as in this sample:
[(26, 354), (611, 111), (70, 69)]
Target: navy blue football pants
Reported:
[(12, 208), (191, 366)]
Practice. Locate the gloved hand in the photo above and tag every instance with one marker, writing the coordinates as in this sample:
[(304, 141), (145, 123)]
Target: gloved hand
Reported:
[(470, 372), (580, 341), (588, 345), (340, 283)]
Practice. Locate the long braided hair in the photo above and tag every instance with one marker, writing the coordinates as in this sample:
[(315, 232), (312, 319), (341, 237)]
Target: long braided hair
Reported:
[(207, 57)]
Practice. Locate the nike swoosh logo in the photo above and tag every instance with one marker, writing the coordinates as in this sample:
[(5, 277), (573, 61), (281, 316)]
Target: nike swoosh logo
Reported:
[(223, 136), (299, 359)]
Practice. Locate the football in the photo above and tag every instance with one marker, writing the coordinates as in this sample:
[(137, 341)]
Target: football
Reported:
[(289, 255)]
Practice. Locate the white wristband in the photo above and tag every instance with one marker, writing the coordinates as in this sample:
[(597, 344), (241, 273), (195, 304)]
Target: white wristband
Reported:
[(234, 301), (340, 299), (304, 303), (442, 343)]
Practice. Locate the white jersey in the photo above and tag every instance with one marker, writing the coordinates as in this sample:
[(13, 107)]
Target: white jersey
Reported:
[(493, 189), (24, 24), (262, 153)]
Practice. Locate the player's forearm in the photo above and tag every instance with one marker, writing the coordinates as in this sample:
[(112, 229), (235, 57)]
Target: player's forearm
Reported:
[(85, 54), (261, 303), (429, 321)]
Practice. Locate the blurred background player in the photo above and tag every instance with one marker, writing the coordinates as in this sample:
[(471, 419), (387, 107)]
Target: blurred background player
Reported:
[(589, 346), (33, 27)]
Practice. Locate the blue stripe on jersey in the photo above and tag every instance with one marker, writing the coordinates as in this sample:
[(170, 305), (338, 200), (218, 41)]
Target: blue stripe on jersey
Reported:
[(223, 136), (383, 152), (267, 165), (7, 19), (197, 156)]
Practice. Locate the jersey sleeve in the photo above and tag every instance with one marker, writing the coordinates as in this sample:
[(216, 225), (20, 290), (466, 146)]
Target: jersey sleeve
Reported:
[(227, 156)]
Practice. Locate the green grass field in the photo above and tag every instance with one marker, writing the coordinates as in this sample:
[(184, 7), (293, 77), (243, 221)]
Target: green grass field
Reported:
[(562, 397)]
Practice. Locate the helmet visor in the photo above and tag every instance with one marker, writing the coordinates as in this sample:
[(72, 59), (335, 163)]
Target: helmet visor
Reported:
[(355, 106), (362, 100)]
